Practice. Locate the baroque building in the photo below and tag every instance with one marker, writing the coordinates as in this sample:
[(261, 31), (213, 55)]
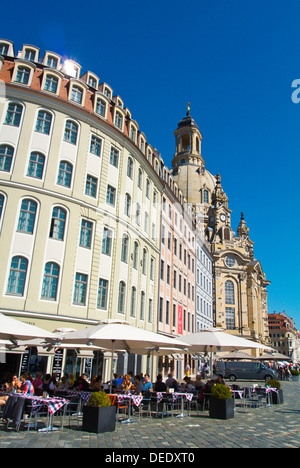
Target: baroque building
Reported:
[(240, 285)]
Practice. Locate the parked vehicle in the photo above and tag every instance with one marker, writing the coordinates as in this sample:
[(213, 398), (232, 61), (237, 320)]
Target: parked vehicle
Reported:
[(245, 370)]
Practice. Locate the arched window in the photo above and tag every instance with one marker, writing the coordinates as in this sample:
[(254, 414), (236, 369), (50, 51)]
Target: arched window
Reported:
[(65, 174), (50, 281), (58, 222), (130, 168), (6, 157), (142, 309), (138, 214), (27, 216), (122, 297), (229, 292), (36, 165), (135, 255), (17, 276), (144, 261), (204, 196), (133, 301), (71, 132), (43, 122), (127, 206), (140, 179), (14, 114), (2, 200)]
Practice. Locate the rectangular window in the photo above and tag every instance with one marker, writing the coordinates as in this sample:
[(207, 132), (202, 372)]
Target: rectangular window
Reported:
[(80, 289), (114, 157), (95, 147), (91, 186), (107, 241), (102, 294), (86, 234), (230, 318), (111, 195)]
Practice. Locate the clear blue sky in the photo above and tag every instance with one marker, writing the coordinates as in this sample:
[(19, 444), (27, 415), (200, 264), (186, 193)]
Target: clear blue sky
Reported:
[(235, 62)]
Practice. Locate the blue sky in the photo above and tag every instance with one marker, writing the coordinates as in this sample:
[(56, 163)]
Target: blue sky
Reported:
[(235, 61)]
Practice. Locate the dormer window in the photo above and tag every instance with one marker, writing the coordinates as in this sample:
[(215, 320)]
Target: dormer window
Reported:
[(23, 75), (119, 120), (6, 48), (51, 83), (30, 55), (52, 62), (3, 49), (101, 107), (51, 80), (23, 72), (107, 93), (77, 92), (132, 134)]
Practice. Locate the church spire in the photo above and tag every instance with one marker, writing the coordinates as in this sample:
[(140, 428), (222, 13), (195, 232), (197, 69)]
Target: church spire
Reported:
[(243, 230)]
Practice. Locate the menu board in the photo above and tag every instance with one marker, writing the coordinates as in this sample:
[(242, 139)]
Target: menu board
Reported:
[(57, 362)]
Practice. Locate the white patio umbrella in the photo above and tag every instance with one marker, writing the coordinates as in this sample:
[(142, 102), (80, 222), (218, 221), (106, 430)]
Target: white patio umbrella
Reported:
[(237, 355), (14, 330), (215, 340), (274, 357), (114, 333)]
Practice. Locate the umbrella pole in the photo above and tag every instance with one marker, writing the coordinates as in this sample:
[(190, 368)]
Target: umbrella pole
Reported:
[(111, 364)]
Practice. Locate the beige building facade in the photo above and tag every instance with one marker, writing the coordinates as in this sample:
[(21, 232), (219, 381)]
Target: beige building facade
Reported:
[(80, 197)]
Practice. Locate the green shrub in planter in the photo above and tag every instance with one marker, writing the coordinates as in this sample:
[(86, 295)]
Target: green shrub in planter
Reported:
[(277, 397), (99, 415), (274, 384), (221, 403), (295, 372), (221, 392), (99, 399)]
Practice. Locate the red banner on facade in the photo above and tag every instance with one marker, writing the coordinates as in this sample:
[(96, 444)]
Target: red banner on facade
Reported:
[(180, 320)]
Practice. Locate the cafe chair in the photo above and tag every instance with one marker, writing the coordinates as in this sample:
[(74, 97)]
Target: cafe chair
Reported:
[(72, 411), (38, 414)]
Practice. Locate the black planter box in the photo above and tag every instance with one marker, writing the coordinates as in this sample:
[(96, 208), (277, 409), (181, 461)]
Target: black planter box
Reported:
[(99, 420), (277, 398), (221, 409)]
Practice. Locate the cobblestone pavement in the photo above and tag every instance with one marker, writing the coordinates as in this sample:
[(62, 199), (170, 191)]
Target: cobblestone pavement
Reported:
[(274, 427)]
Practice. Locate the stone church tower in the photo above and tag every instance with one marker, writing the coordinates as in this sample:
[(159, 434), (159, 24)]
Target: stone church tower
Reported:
[(239, 281)]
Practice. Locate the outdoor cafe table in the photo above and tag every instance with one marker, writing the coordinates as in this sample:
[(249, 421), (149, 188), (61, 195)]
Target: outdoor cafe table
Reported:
[(135, 399), (176, 395), (15, 406)]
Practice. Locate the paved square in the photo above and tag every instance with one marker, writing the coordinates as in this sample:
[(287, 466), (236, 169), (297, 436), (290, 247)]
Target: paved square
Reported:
[(274, 427)]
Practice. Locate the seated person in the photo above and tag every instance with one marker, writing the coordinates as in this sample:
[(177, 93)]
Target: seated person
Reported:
[(63, 386), (147, 385), (97, 385), (160, 386), (27, 386), (220, 380), (171, 382), (199, 384), (127, 383), (48, 385), (83, 386), (139, 387), (38, 384)]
